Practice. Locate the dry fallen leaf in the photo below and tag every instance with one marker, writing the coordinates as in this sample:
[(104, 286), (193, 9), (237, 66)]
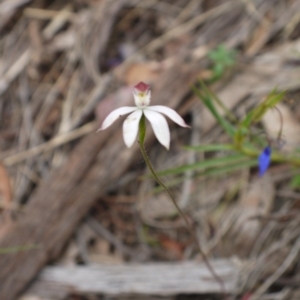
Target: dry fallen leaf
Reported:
[(134, 72), (174, 248), (146, 72)]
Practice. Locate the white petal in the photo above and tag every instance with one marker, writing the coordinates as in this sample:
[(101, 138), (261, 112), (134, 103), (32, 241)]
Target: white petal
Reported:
[(160, 126), (115, 114), (172, 114), (131, 127)]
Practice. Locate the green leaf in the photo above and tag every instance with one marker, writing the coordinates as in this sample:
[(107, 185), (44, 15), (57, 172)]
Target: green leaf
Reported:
[(228, 114), (205, 96), (247, 120), (274, 98), (222, 56), (271, 101), (210, 163), (211, 147), (231, 168), (256, 115), (241, 133), (213, 172)]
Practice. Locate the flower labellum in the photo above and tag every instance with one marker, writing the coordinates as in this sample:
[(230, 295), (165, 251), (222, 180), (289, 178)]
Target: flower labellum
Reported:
[(154, 114), (264, 160)]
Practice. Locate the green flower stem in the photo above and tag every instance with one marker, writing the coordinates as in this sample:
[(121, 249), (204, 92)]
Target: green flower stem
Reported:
[(142, 134)]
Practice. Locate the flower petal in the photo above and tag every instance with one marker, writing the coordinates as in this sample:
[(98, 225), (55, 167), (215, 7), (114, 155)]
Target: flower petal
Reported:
[(160, 126), (264, 160), (131, 127), (115, 114), (171, 113)]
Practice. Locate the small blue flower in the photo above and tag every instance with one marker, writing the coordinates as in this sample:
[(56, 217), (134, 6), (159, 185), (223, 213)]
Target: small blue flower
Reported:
[(264, 160)]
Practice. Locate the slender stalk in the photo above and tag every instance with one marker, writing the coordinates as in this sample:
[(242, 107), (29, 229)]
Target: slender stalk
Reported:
[(142, 133)]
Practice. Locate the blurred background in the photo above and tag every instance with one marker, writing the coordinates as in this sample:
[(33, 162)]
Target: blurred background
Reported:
[(81, 218)]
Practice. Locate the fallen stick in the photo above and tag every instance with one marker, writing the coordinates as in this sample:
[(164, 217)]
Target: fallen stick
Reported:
[(146, 279)]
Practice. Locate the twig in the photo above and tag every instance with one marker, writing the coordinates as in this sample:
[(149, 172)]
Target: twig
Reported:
[(14, 71), (92, 100), (43, 14), (286, 264), (101, 230), (57, 22), (184, 13), (187, 26), (55, 142), (65, 124)]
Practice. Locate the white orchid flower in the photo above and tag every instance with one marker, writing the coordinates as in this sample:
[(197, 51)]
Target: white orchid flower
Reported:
[(142, 94)]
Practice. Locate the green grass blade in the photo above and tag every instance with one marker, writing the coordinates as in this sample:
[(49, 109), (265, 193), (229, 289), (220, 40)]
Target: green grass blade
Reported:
[(210, 163), (227, 169), (207, 100), (211, 147), (213, 172), (16, 249)]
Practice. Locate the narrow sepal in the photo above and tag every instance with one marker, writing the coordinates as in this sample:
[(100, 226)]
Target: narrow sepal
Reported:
[(131, 126), (169, 112), (114, 115), (160, 127)]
